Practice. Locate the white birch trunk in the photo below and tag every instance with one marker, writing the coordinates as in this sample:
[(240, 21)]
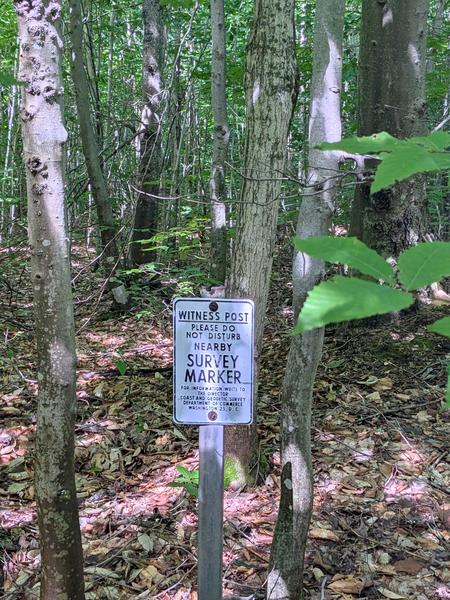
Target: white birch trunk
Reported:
[(285, 581), (44, 137), (146, 217), (220, 143)]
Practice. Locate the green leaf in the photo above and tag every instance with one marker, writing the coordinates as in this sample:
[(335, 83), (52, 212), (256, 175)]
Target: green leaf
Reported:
[(407, 160), (121, 367), (441, 326), (438, 140), (346, 298), (400, 159), (8, 80), (183, 471), (424, 264), (348, 251), (192, 489), (371, 144)]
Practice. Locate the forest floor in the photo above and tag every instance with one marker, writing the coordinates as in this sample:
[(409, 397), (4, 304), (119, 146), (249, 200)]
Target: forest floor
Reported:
[(380, 444)]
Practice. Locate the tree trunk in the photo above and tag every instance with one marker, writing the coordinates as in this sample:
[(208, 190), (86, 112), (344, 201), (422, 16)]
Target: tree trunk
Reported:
[(391, 98), (285, 580), (270, 86), (146, 217), (44, 136), (220, 143), (91, 152)]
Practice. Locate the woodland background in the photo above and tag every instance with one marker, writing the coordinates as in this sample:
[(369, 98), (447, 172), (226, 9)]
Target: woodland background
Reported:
[(379, 435)]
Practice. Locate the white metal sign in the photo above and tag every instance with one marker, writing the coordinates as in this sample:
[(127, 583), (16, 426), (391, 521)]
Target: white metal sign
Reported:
[(213, 361)]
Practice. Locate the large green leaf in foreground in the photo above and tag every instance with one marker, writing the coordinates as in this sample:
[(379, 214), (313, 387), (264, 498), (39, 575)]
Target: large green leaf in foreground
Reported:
[(347, 251), (424, 264), (441, 326), (405, 161), (400, 159), (370, 144), (346, 298)]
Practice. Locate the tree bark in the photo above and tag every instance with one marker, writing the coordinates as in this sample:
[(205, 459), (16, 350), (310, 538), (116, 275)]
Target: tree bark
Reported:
[(220, 143), (44, 136), (391, 98), (270, 87), (105, 217), (285, 580), (146, 216)]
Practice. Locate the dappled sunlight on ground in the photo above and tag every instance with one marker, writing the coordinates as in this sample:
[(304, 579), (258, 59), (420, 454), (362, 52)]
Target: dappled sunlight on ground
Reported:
[(380, 444)]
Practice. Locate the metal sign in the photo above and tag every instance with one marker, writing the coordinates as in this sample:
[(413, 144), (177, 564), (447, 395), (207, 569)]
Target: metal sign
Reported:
[(213, 361)]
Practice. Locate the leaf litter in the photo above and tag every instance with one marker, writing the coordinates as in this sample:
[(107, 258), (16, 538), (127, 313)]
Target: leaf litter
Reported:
[(380, 446)]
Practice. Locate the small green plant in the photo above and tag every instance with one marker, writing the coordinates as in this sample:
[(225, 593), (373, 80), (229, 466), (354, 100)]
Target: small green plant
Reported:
[(187, 480), (184, 241), (121, 366), (229, 472), (139, 423)]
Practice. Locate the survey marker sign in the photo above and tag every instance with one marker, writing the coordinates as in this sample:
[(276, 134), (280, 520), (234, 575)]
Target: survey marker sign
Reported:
[(213, 361)]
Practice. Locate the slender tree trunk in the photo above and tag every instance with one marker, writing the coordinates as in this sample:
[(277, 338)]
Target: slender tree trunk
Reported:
[(436, 27), (220, 143), (175, 137), (270, 86), (146, 217), (109, 86), (44, 136), (91, 152), (92, 74), (391, 98), (285, 581)]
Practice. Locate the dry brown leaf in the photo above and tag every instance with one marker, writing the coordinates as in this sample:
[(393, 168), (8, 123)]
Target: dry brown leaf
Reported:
[(385, 468), (385, 569), (385, 383), (392, 595), (427, 543), (323, 534), (151, 576), (402, 396), (410, 565), (348, 585)]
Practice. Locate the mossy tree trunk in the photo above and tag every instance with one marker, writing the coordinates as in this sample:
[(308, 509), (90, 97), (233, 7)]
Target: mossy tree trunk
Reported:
[(391, 97), (270, 87)]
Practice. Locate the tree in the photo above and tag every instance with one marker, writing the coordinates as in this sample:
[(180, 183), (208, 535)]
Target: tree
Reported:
[(391, 97), (146, 216), (285, 580), (270, 88), (91, 150), (220, 143), (44, 136)]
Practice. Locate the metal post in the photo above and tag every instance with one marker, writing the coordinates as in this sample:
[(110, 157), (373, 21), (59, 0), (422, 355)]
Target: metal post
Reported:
[(210, 509)]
